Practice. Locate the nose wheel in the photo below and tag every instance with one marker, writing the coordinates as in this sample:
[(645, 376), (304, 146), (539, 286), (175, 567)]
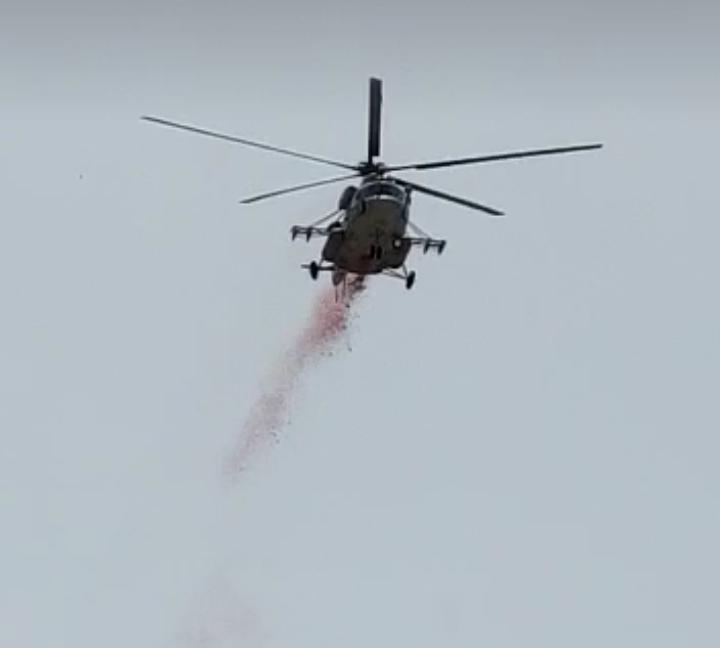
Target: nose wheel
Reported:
[(410, 280)]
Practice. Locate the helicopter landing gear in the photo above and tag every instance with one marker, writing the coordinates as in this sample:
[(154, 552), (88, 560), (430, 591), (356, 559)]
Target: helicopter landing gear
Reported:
[(315, 268), (407, 277)]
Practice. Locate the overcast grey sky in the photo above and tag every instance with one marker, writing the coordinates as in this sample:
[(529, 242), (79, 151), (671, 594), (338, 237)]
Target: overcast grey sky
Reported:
[(520, 452)]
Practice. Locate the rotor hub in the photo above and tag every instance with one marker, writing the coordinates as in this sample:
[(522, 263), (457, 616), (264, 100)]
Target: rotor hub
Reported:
[(372, 168)]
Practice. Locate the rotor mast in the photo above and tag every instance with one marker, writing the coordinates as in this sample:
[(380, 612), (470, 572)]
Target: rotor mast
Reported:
[(374, 118)]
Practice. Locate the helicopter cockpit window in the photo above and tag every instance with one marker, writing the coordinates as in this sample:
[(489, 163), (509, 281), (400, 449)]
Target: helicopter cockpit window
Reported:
[(380, 189), (392, 190), (368, 190)]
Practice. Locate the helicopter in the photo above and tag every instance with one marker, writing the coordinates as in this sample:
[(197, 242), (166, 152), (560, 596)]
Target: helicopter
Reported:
[(367, 233)]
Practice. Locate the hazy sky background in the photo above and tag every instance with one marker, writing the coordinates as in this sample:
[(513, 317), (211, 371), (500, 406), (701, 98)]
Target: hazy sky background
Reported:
[(522, 451)]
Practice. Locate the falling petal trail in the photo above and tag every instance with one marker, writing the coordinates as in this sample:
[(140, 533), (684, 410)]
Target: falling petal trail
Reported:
[(219, 618), (328, 321)]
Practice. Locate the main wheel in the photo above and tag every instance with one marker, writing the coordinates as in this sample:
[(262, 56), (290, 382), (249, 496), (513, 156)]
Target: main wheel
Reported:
[(314, 270), (410, 280)]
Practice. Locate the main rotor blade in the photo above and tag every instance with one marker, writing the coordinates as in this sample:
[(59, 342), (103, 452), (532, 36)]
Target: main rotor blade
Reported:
[(239, 140), (493, 158), (308, 185), (374, 112), (450, 197)]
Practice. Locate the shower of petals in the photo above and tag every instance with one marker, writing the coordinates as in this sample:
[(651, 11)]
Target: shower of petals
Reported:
[(328, 322)]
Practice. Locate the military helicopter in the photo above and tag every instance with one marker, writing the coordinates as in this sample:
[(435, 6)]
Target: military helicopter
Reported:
[(368, 234)]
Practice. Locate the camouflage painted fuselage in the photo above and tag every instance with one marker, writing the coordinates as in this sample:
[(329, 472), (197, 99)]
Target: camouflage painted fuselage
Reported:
[(370, 237)]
